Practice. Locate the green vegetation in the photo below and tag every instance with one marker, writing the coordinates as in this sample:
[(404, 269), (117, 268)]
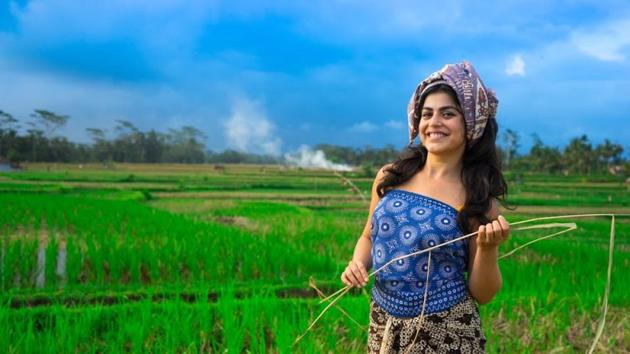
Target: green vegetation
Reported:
[(186, 145), (174, 258)]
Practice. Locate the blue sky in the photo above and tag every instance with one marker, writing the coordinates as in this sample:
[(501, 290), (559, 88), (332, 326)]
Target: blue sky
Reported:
[(268, 77)]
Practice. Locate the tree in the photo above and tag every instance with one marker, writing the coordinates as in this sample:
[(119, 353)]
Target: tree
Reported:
[(385, 155), (35, 135), (185, 145), (101, 149), (153, 147), (544, 158), (98, 135), (129, 145), (8, 132), (579, 155), (50, 122), (607, 154), (339, 154), (511, 141)]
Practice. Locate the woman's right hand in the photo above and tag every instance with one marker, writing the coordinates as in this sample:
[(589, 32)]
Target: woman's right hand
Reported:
[(355, 274)]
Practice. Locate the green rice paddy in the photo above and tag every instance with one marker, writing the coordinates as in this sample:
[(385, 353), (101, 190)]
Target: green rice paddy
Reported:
[(177, 258)]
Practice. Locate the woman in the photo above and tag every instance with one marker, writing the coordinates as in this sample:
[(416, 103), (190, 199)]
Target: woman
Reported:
[(444, 188)]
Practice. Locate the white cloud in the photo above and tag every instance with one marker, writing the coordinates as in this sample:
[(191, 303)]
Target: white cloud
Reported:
[(394, 124), (249, 129), (608, 42), (516, 66), (364, 127)]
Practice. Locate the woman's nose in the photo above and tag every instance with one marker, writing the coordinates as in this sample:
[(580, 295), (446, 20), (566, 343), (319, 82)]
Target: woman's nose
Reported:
[(435, 119)]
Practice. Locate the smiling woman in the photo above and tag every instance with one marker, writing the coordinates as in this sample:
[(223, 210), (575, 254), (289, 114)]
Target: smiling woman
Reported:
[(434, 193), (441, 125)]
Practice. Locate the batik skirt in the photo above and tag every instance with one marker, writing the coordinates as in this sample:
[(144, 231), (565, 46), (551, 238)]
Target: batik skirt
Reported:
[(456, 330)]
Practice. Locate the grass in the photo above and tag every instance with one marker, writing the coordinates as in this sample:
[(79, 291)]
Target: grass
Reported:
[(176, 258)]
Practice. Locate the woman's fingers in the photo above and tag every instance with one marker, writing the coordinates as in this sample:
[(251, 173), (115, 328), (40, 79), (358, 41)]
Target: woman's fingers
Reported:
[(349, 279), (481, 234), (489, 232), (505, 226), (363, 275), (355, 274), (493, 233), (498, 232), (344, 277)]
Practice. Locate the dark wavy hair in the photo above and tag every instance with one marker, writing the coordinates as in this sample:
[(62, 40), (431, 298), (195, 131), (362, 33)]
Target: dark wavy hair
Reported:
[(481, 172)]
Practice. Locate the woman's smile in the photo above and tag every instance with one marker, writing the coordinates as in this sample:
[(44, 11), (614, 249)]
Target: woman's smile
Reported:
[(442, 129), (436, 135)]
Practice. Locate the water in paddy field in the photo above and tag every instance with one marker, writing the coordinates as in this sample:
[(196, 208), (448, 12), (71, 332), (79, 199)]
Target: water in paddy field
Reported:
[(60, 270), (5, 167)]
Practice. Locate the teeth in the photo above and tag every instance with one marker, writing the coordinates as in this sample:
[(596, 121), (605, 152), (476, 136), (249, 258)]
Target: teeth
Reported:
[(439, 135)]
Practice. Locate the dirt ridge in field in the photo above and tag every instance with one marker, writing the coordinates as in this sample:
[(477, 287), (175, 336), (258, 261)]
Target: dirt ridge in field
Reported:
[(188, 297)]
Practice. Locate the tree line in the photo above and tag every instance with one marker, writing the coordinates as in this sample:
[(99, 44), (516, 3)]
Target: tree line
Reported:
[(36, 140), (579, 156), (40, 143)]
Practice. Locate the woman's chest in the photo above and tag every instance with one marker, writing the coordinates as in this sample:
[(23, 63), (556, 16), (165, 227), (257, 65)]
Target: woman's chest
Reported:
[(450, 193), (405, 222)]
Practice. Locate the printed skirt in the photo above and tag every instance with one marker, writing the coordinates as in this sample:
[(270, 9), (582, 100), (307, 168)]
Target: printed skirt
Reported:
[(456, 330)]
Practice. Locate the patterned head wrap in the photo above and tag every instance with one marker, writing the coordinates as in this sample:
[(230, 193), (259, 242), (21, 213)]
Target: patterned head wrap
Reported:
[(478, 102)]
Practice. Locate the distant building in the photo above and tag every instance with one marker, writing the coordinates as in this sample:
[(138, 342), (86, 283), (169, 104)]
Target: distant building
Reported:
[(617, 170)]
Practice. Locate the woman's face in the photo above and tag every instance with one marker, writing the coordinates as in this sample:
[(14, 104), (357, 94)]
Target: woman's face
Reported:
[(441, 126)]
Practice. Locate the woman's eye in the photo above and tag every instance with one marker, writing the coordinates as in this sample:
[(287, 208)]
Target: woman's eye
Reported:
[(448, 114), (426, 115)]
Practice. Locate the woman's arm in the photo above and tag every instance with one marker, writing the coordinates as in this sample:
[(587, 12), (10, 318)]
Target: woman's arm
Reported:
[(484, 276), (355, 273)]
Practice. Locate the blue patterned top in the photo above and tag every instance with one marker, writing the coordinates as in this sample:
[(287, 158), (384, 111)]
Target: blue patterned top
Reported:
[(405, 222)]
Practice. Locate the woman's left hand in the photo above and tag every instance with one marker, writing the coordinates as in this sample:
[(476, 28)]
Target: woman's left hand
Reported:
[(492, 234)]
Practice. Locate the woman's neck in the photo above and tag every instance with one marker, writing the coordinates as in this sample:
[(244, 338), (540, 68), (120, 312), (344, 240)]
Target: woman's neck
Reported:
[(442, 167)]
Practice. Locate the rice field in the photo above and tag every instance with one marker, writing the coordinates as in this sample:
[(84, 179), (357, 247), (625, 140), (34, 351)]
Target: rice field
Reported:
[(203, 258)]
